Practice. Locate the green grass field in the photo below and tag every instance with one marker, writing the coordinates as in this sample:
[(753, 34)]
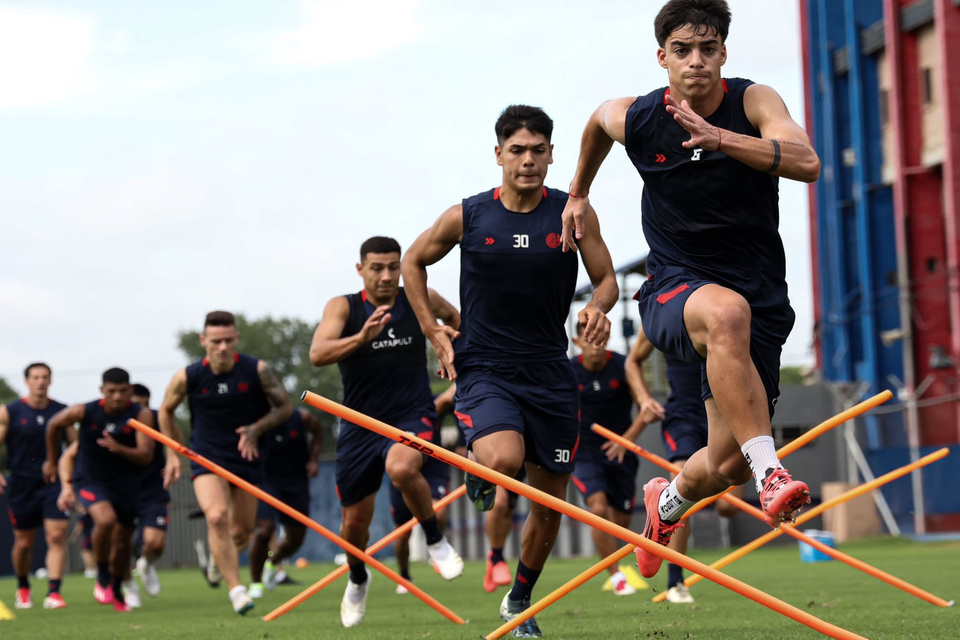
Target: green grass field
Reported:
[(188, 608)]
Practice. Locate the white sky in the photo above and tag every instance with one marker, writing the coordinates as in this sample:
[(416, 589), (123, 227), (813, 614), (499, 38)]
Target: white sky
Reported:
[(159, 160)]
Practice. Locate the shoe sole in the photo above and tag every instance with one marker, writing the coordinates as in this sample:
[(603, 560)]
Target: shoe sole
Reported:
[(647, 568)]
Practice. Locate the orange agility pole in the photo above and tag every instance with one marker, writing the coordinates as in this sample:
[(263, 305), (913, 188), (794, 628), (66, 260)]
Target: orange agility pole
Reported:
[(334, 575), (296, 515), (560, 592), (791, 531), (567, 509), (848, 414), (813, 513)]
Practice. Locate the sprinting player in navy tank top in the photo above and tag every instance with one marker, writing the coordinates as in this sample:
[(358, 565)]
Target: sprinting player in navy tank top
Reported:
[(234, 400), (709, 151), (605, 475), (152, 511), (375, 339), (32, 503), (517, 398), (110, 455), (289, 462)]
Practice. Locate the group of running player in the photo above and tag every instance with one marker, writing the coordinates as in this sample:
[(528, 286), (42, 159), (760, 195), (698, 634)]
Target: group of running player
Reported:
[(710, 151)]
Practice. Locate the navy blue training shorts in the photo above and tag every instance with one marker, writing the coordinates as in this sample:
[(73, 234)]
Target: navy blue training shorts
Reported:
[(31, 501), (361, 455), (90, 492), (295, 492), (618, 480), (540, 400), (661, 303)]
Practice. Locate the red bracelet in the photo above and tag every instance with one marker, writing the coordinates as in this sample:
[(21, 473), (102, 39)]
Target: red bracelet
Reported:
[(573, 195)]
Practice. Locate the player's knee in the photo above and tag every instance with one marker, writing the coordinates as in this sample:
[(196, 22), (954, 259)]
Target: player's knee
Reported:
[(402, 472), (505, 462), (217, 518), (56, 538), (729, 321), (105, 520)]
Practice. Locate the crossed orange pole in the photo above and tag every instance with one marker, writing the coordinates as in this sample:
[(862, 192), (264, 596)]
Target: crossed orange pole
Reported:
[(567, 509), (563, 590), (296, 515), (334, 575), (789, 530)]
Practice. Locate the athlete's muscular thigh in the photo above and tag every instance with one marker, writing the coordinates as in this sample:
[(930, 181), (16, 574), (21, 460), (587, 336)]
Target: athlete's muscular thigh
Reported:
[(501, 451), (713, 312)]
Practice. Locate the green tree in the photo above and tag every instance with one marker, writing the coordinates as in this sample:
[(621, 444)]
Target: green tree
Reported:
[(285, 344), (7, 393)]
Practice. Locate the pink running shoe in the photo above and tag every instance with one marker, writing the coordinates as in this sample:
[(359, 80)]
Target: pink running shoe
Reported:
[(120, 607), (496, 575), (23, 599), (103, 595), (54, 601), (782, 497), (654, 529)]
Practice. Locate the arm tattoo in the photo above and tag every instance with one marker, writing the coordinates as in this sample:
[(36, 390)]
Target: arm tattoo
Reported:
[(776, 156)]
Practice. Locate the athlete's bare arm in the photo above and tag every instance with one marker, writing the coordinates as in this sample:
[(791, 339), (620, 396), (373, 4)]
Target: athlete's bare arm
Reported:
[(607, 124), (313, 425), (432, 245), (443, 403), (142, 452), (166, 415), (783, 150), (330, 346), (280, 410), (4, 427), (68, 462), (63, 418), (443, 310), (606, 291)]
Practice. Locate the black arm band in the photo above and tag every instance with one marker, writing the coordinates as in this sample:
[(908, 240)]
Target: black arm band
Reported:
[(776, 157)]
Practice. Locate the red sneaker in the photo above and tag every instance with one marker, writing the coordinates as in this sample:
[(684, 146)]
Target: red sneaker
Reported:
[(23, 599), (54, 601), (496, 575), (782, 497), (654, 529), (103, 595), (120, 607)]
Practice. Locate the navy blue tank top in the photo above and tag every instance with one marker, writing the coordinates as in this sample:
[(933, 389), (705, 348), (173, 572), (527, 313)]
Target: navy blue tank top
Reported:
[(283, 451), (386, 378), (604, 398), (702, 210), (26, 437), (516, 283), (96, 463), (220, 403)]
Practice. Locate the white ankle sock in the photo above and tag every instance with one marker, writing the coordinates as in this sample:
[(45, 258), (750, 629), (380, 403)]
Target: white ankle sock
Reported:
[(672, 505), (761, 456)]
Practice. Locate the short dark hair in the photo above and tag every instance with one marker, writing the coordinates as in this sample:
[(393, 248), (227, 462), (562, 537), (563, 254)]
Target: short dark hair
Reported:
[(702, 15), (219, 319), (521, 116), (140, 390), (33, 365), (378, 244), (116, 375)]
